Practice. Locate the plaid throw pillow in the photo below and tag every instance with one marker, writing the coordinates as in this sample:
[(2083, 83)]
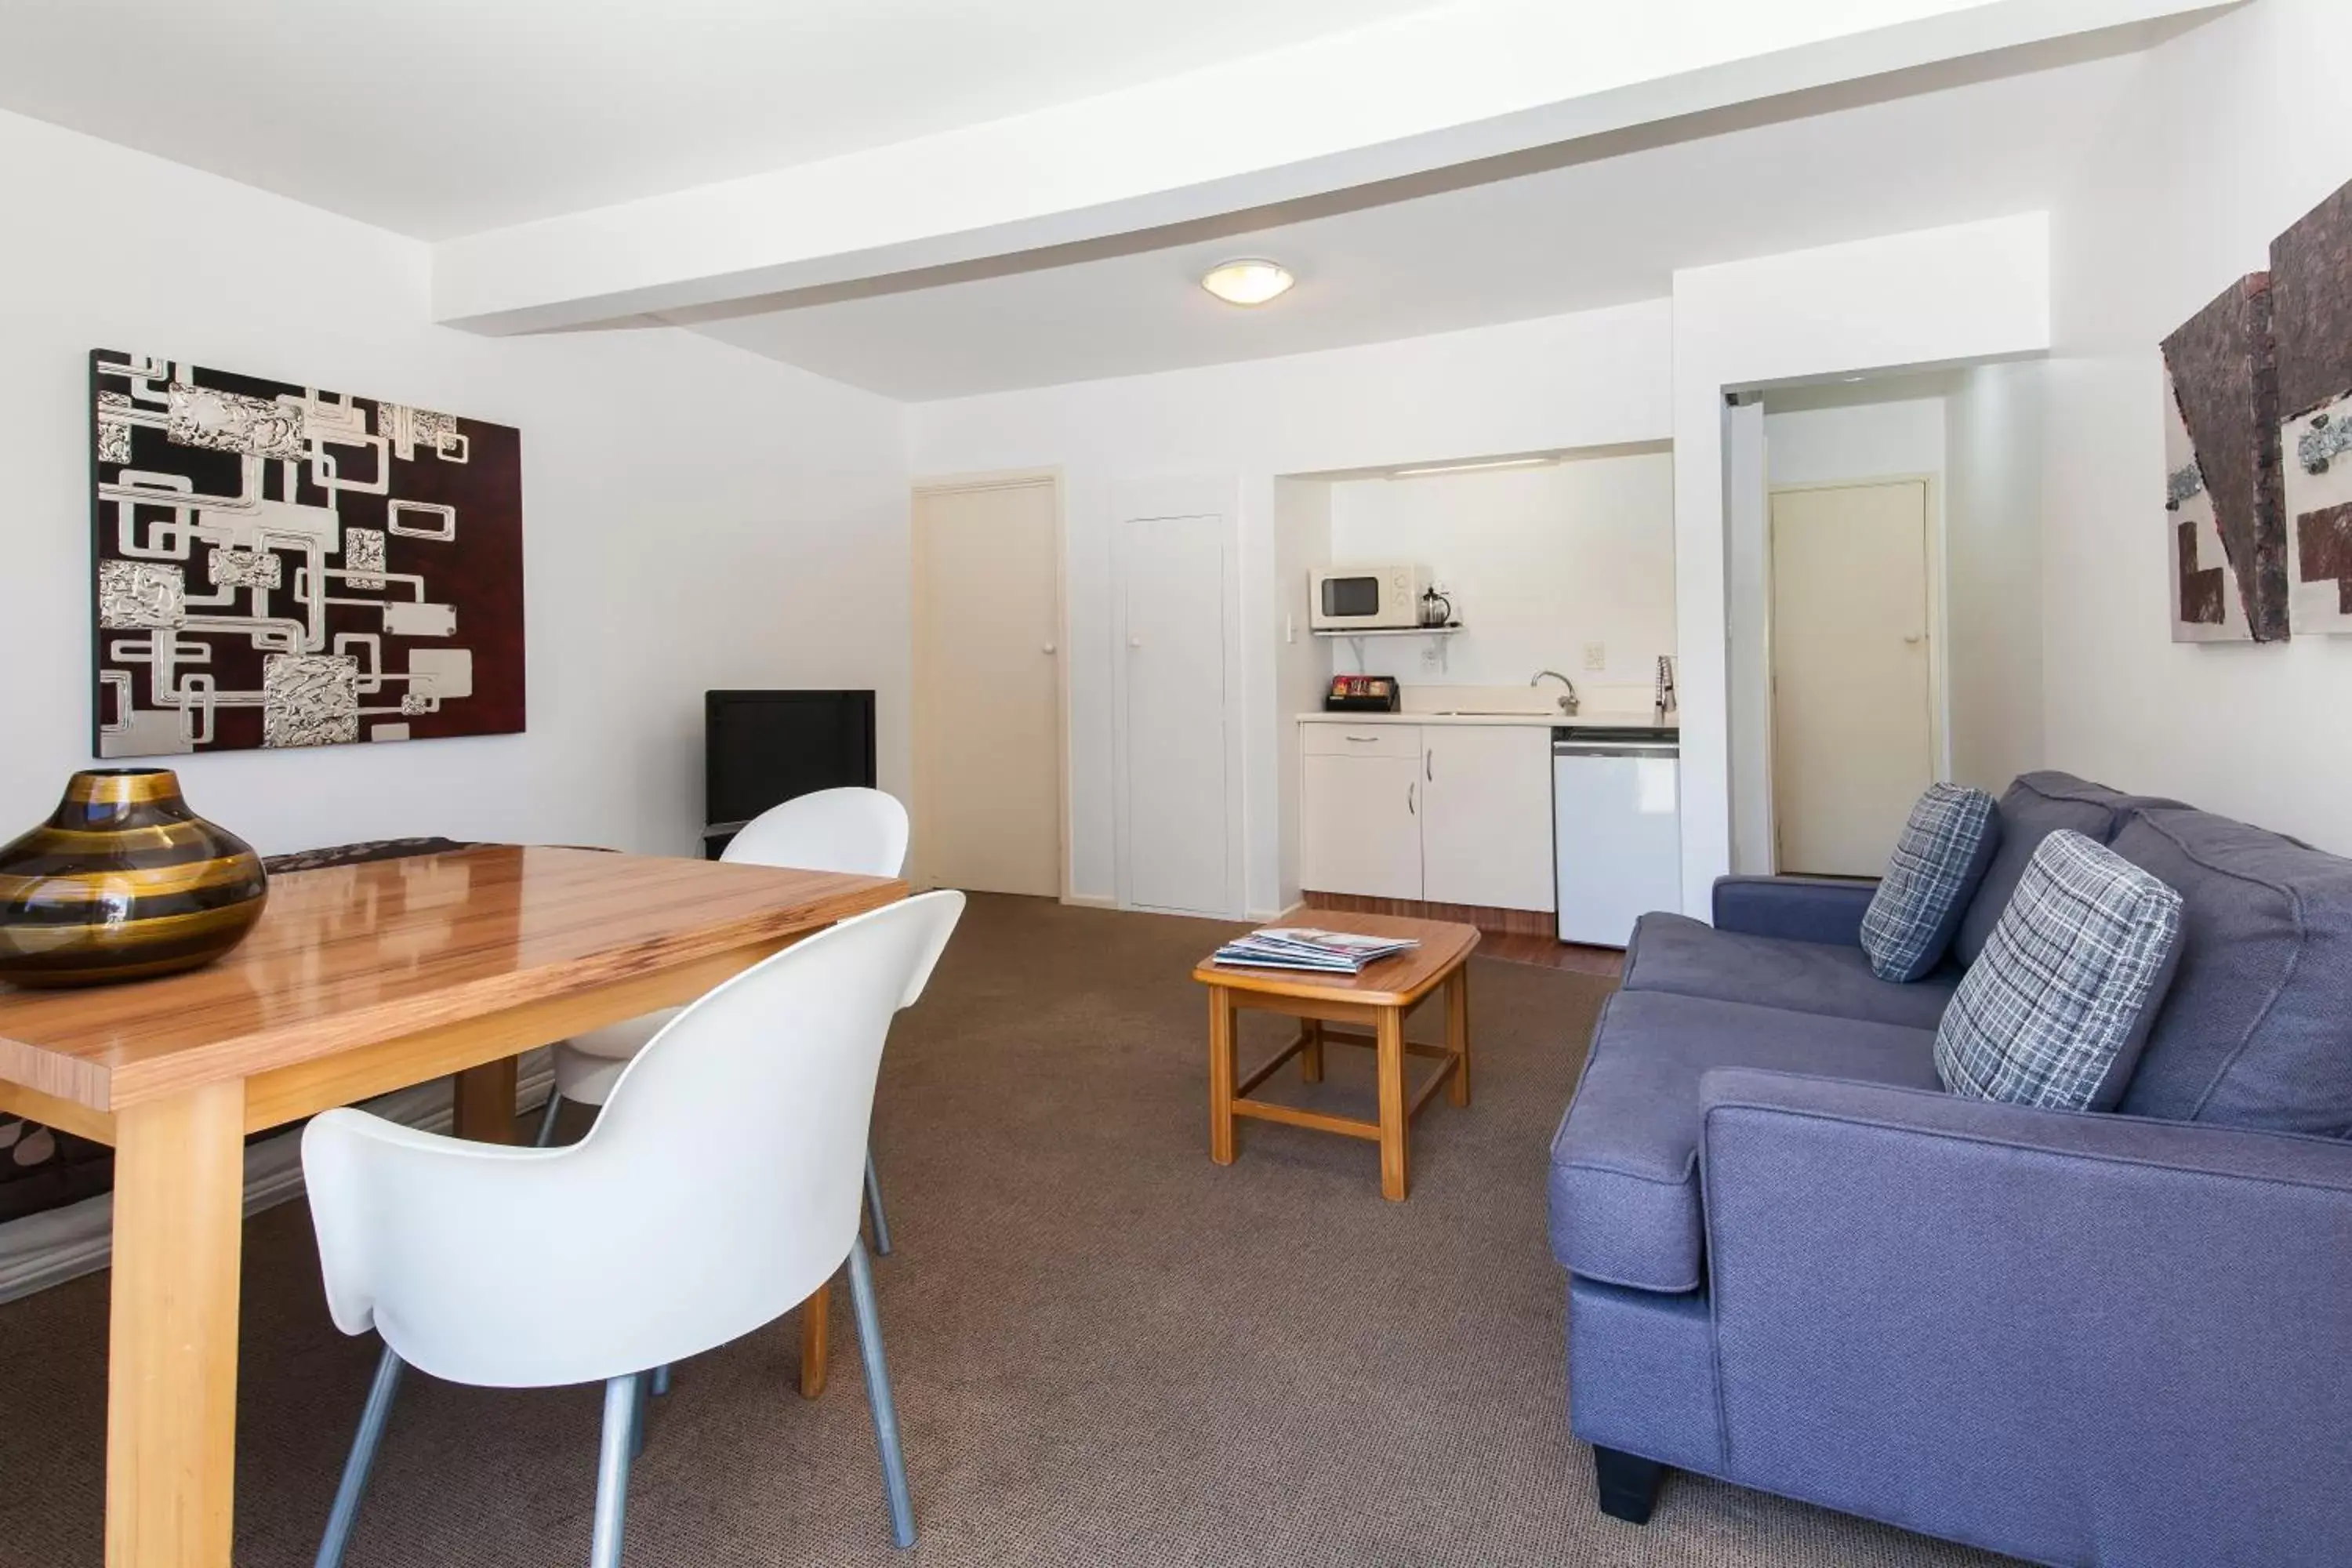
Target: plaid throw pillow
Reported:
[(1937, 863), (2055, 1011)]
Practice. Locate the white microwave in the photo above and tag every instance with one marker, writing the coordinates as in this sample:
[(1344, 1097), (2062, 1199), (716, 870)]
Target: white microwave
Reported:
[(1365, 598)]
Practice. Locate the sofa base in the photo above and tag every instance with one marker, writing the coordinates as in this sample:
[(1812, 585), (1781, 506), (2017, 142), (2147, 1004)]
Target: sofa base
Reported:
[(1628, 1484)]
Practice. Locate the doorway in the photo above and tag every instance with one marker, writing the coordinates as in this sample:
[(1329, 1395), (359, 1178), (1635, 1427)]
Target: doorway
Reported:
[(1178, 772), (1854, 679), (988, 689)]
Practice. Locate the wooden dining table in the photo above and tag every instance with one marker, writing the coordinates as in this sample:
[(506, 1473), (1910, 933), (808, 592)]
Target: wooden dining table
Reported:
[(358, 980)]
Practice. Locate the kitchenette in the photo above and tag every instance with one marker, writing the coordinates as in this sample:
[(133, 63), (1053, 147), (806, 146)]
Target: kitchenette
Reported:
[(1449, 768)]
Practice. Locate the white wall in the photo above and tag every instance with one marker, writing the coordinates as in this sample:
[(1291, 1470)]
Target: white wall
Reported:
[(2237, 128), (1302, 542), (695, 515), (1599, 378), (1929, 297), (1748, 631), (1539, 563), (1993, 573), (1874, 440)]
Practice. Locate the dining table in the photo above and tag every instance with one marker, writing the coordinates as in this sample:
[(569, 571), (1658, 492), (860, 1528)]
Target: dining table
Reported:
[(356, 980)]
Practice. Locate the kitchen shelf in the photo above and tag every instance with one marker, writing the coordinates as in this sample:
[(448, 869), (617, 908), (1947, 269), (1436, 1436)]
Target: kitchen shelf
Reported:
[(1446, 630)]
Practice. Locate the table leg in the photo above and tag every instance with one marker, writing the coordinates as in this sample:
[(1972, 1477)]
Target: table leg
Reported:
[(1457, 1032), (171, 1404), (1389, 1037), (1310, 1060), (816, 1335), (1223, 1072), (482, 1103)]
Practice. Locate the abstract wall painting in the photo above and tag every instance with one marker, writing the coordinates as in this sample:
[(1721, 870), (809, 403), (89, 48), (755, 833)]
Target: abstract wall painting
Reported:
[(2311, 272), (2222, 492), (278, 566)]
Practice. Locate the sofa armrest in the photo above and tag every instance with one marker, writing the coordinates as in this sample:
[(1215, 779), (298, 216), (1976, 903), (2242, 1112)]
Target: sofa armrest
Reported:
[(2073, 1337), (1800, 909)]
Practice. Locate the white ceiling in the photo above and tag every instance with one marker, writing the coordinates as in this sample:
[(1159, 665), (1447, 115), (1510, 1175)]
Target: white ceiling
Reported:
[(1593, 233), (437, 117)]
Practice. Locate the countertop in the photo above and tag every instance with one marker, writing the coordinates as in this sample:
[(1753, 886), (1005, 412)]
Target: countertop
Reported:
[(1546, 720)]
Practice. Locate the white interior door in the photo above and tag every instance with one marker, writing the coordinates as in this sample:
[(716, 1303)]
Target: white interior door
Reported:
[(1174, 594), (1853, 731), (987, 688)]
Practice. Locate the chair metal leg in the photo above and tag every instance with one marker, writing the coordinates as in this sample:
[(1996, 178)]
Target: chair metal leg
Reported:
[(637, 1415), (547, 1122), (661, 1380), (877, 1394), (623, 1396), (873, 1208), (372, 1418)]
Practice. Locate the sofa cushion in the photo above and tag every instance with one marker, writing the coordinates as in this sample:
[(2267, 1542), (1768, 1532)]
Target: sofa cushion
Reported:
[(1691, 958), (2055, 1011), (1934, 872), (2036, 806), (1624, 1163), (2257, 1031)]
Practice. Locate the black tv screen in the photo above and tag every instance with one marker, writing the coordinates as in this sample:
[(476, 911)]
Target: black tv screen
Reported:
[(762, 748)]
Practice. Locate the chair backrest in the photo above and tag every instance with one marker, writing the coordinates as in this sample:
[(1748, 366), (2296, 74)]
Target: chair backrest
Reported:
[(719, 1188), (860, 831)]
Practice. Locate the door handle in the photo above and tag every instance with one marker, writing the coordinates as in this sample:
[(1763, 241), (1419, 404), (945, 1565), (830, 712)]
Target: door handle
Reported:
[(1410, 809), (1048, 649), (1910, 636), (1360, 738), (1429, 766)]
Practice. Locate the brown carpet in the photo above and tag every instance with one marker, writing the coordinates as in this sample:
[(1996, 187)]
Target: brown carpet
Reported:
[(1107, 1350)]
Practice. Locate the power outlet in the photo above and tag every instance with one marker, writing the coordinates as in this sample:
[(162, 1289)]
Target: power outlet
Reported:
[(1596, 655), (1431, 656)]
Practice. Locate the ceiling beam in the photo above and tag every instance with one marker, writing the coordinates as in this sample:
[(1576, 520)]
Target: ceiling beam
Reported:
[(1459, 85)]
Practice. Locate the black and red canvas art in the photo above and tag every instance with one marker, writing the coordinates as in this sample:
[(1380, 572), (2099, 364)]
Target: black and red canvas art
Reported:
[(2258, 444), (2311, 269), (2222, 490), (278, 565)]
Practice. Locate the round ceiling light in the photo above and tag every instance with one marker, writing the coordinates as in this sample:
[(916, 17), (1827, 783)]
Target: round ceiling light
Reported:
[(1249, 281)]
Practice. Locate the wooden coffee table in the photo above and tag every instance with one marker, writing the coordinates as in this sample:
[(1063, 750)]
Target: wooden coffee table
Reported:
[(1379, 999)]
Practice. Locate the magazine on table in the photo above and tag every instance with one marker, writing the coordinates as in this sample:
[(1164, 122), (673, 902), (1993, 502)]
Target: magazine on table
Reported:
[(1310, 948)]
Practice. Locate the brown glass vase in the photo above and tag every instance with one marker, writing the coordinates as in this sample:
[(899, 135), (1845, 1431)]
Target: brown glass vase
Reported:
[(123, 882)]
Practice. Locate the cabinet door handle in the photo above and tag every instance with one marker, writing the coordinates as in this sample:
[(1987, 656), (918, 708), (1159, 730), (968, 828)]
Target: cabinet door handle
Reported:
[(1360, 738), (1429, 766), (1410, 809)]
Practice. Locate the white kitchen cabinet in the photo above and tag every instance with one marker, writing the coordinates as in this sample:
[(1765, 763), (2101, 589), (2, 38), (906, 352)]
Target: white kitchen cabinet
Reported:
[(1486, 816), (1360, 821)]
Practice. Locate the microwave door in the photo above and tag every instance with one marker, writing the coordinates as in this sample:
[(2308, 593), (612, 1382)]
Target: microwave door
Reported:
[(1351, 598)]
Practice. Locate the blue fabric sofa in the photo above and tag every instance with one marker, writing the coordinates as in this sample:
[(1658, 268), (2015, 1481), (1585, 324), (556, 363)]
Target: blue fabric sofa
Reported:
[(1797, 1264)]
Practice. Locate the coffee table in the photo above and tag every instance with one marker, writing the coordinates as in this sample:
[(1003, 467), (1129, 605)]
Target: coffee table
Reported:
[(1379, 999)]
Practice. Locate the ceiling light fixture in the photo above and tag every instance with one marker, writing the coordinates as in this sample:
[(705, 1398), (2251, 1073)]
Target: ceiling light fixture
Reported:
[(1470, 468), (1250, 280)]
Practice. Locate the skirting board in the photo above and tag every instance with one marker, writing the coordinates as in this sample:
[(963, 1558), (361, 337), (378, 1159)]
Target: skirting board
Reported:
[(50, 1249), (1506, 923)]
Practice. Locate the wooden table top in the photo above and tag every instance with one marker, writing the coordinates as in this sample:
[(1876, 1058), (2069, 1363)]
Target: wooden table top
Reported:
[(1397, 982), (349, 956)]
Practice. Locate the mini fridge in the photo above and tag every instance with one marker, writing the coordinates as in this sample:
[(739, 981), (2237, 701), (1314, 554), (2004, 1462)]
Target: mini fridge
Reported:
[(1617, 840)]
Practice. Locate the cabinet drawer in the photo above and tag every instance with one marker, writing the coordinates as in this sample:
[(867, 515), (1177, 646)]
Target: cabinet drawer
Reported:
[(1361, 740)]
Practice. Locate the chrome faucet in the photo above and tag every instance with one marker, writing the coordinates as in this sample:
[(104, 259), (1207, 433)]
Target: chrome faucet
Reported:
[(1568, 702)]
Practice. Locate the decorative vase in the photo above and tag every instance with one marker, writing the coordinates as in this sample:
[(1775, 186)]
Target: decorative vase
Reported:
[(123, 882)]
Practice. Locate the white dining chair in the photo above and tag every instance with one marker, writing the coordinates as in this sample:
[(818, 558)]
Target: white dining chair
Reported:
[(718, 1189), (862, 831)]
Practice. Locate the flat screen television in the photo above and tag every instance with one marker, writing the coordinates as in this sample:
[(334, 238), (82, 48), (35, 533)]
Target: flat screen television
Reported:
[(762, 748)]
